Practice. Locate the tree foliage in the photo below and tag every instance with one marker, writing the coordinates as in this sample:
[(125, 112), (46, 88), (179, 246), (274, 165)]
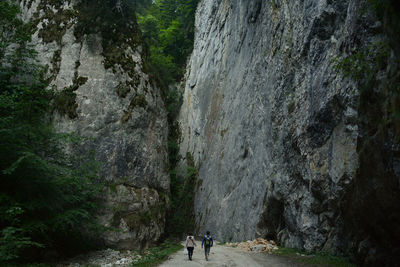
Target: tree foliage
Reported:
[(47, 196), (168, 30), (105, 16), (181, 219)]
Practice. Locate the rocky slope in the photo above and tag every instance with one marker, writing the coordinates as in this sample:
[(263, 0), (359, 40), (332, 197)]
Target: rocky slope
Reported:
[(287, 146), (104, 95)]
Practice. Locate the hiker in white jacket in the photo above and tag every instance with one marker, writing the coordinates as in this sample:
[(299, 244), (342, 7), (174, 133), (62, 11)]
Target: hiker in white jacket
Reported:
[(190, 244)]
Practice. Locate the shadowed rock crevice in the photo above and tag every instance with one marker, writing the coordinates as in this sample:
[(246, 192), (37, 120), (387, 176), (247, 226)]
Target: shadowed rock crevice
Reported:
[(272, 220)]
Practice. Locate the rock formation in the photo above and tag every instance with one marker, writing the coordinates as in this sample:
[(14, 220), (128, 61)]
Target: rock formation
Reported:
[(103, 94), (281, 137)]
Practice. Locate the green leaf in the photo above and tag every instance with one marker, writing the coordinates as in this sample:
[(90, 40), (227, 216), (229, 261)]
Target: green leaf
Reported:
[(17, 163)]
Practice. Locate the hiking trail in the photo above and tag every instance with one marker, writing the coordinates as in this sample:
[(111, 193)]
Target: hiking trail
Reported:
[(227, 256)]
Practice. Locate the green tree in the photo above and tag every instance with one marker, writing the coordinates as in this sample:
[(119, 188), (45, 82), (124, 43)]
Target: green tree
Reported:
[(46, 194), (168, 30), (173, 40), (150, 28)]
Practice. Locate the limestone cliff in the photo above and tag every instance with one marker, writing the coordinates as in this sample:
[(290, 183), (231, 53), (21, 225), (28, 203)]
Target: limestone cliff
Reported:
[(103, 94), (279, 133)]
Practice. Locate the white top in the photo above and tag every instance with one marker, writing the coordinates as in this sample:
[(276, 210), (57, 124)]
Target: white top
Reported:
[(190, 242)]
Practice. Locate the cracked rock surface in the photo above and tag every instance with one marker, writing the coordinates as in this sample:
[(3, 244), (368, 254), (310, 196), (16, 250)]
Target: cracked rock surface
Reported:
[(117, 107), (277, 132)]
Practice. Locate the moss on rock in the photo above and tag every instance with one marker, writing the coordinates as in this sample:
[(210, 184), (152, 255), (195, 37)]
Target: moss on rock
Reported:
[(55, 62), (120, 34), (65, 101), (122, 90), (138, 100), (138, 218), (55, 20)]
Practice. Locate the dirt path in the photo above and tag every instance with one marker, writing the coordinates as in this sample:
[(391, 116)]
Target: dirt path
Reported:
[(226, 256)]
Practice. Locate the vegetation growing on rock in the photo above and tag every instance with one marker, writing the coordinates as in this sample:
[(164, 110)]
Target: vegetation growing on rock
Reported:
[(180, 219), (168, 30), (46, 194), (119, 32), (65, 101), (55, 20)]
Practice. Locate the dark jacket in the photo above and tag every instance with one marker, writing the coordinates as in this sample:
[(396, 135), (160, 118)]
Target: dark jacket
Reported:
[(205, 239)]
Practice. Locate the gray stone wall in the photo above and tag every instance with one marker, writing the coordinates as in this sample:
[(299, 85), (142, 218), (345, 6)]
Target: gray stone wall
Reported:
[(117, 108), (272, 126)]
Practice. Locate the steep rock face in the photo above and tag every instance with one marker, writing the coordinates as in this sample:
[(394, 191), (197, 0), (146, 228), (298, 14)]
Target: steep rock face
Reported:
[(103, 94), (276, 131)]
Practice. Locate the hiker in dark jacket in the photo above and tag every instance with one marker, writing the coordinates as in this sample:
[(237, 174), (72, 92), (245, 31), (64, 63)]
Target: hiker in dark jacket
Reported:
[(207, 243), (190, 244)]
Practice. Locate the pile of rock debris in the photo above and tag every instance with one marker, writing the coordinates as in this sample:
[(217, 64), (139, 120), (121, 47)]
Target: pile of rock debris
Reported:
[(257, 245)]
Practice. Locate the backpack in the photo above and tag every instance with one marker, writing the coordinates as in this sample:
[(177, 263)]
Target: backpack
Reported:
[(208, 240)]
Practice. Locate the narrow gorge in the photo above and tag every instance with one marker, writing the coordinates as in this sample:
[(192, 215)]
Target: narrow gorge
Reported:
[(288, 125)]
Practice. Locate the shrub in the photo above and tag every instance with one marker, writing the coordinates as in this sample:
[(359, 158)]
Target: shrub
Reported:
[(46, 194)]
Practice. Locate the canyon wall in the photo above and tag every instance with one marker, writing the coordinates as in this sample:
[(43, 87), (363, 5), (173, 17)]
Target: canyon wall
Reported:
[(281, 137), (103, 95)]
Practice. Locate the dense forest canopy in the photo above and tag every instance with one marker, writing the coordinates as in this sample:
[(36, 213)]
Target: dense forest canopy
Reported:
[(168, 29)]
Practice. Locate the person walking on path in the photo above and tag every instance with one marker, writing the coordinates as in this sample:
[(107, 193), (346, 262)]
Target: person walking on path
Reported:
[(190, 244), (208, 243)]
